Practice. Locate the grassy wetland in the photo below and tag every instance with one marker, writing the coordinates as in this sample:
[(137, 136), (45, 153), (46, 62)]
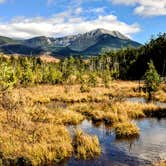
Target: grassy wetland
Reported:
[(34, 121)]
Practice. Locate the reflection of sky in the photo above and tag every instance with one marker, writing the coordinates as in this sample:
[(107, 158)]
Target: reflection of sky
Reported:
[(150, 145), (152, 140), (143, 100)]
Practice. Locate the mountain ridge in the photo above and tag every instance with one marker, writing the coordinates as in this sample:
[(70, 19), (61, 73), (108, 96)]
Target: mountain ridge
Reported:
[(97, 39)]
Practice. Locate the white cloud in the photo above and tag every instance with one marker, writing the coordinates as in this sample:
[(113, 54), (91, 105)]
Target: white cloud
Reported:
[(125, 2), (65, 23), (78, 10), (96, 10), (64, 3), (145, 7)]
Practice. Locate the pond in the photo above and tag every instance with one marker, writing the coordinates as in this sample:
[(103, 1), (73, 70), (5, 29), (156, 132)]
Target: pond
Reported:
[(149, 147), (143, 100)]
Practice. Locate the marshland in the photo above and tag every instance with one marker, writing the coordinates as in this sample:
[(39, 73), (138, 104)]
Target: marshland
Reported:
[(46, 124), (82, 111)]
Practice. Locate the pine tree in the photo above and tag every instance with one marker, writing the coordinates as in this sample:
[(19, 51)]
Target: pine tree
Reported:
[(152, 79)]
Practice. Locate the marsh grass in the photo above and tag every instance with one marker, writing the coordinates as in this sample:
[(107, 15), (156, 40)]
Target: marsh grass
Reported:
[(48, 93), (119, 114), (53, 115), (97, 112), (160, 163), (160, 95), (68, 117), (86, 146), (34, 126), (126, 130), (39, 143)]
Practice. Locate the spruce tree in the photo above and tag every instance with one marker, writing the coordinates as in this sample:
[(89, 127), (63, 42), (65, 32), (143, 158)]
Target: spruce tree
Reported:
[(152, 79)]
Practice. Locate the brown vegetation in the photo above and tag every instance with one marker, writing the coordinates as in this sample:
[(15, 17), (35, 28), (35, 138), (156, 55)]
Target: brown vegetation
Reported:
[(126, 130), (33, 120), (86, 146), (160, 163)]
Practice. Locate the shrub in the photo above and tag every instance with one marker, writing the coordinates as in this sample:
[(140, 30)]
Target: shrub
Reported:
[(7, 77), (84, 88), (92, 80)]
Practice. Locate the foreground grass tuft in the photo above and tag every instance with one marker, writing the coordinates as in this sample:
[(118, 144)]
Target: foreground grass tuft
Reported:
[(37, 144), (126, 130), (86, 146)]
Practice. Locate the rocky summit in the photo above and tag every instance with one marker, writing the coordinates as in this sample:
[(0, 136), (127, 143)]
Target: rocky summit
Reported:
[(86, 44)]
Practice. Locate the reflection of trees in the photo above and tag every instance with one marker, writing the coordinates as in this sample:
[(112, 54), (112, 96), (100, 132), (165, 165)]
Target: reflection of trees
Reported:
[(131, 141), (152, 122)]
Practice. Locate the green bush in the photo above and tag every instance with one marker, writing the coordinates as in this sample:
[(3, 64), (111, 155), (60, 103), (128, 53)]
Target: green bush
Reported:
[(7, 76)]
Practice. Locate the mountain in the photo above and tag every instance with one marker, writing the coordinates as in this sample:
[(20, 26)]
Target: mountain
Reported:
[(20, 49), (6, 40), (90, 43)]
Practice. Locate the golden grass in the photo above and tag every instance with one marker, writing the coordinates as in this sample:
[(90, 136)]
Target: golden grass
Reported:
[(125, 89), (119, 114), (132, 110), (34, 129), (160, 163), (37, 143), (47, 93), (160, 95), (55, 116), (96, 111), (68, 94), (139, 110), (72, 93), (118, 111), (126, 130), (69, 117), (86, 146)]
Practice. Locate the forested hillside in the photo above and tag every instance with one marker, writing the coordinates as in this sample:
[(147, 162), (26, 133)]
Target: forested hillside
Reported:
[(127, 63), (131, 63)]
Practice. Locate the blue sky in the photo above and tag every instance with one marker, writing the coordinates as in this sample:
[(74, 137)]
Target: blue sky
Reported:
[(138, 19)]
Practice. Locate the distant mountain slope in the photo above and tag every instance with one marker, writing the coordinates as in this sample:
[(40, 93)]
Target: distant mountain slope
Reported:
[(6, 40), (41, 41), (90, 43), (107, 42), (20, 49)]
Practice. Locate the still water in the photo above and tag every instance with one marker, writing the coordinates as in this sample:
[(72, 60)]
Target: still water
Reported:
[(145, 150), (143, 100)]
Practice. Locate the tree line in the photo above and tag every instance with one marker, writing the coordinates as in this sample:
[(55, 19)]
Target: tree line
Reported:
[(129, 63)]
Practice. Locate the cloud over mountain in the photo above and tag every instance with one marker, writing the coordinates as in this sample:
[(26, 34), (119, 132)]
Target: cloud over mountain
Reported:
[(145, 7), (65, 23)]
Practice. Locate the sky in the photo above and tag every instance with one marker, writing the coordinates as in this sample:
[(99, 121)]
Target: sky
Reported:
[(137, 19)]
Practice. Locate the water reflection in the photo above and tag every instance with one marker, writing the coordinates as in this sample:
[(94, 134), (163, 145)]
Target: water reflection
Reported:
[(144, 150), (144, 100)]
